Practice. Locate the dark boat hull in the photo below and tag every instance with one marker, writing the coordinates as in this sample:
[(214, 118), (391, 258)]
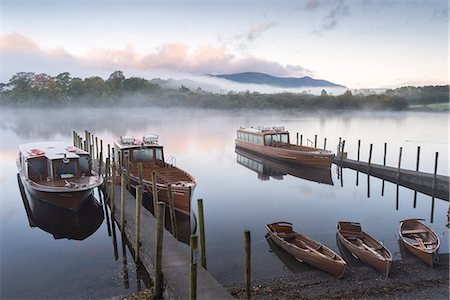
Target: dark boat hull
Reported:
[(290, 155)]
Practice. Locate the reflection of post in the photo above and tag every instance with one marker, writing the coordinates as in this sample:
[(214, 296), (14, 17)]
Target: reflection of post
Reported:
[(248, 270), (113, 229), (417, 170), (138, 221), (126, 281), (105, 209), (368, 185)]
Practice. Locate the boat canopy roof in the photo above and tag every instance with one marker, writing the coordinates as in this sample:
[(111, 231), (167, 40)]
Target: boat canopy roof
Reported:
[(50, 150), (130, 142), (264, 129)]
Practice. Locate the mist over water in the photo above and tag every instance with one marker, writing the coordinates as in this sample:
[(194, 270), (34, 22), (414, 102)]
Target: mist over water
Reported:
[(235, 196)]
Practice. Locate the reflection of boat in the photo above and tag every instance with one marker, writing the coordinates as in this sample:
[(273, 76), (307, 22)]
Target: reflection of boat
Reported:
[(57, 173), (306, 249), (266, 167), (148, 152), (365, 247), (420, 240), (288, 260), (186, 223), (350, 258), (60, 222), (274, 142)]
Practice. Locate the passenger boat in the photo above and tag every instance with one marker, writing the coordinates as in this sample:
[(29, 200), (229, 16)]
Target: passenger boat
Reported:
[(267, 167), (420, 240), (364, 247), (306, 249), (148, 152), (274, 142), (57, 173)]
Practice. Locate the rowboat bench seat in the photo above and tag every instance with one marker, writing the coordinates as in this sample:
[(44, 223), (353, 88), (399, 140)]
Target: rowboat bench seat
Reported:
[(414, 231)]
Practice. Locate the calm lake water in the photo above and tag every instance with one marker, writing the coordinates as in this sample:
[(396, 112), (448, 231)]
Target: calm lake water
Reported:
[(239, 192)]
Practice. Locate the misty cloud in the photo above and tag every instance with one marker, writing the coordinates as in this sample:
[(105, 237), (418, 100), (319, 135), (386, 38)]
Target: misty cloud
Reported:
[(335, 12)]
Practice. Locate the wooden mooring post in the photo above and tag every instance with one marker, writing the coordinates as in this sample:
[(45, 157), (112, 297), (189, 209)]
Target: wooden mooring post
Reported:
[(193, 265), (325, 143), (138, 221), (122, 202), (301, 139), (159, 209), (315, 141), (342, 151), (399, 163), (434, 186), (154, 190), (297, 138), (417, 170), (173, 221), (201, 221), (359, 149), (113, 190), (370, 158), (141, 174), (248, 267), (96, 148)]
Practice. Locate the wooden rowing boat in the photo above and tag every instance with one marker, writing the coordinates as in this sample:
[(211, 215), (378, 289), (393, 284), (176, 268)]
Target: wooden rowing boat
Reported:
[(420, 240), (364, 247), (274, 142), (305, 249)]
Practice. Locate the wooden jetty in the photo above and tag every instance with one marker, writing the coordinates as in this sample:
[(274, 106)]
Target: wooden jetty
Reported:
[(419, 181)]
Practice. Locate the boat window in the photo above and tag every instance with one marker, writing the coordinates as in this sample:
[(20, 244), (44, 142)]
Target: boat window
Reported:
[(267, 139), (37, 169), (276, 137), (284, 138), (65, 170), (84, 162), (50, 168), (260, 141), (145, 154), (159, 154)]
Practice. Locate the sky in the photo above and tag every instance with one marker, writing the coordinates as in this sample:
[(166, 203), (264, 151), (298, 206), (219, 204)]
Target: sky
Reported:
[(356, 43)]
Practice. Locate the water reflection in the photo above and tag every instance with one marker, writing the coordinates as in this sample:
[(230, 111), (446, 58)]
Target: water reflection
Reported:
[(60, 222), (266, 168)]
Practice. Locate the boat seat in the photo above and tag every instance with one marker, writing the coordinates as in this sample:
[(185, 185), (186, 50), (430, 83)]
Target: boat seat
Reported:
[(414, 231)]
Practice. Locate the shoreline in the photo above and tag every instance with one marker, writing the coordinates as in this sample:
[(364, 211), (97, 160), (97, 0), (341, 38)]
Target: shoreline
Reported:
[(409, 279)]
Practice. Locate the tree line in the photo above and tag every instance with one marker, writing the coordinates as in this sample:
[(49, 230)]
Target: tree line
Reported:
[(30, 89)]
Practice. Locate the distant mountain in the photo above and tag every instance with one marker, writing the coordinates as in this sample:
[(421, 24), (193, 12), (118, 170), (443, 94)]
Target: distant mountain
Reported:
[(286, 82)]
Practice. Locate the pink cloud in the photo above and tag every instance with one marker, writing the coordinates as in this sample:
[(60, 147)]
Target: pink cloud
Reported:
[(169, 57)]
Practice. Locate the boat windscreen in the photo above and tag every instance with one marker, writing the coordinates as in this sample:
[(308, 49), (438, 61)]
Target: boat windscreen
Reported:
[(84, 162), (65, 170), (145, 154)]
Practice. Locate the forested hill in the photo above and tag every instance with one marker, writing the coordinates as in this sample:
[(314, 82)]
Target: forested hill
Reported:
[(286, 82), (40, 90)]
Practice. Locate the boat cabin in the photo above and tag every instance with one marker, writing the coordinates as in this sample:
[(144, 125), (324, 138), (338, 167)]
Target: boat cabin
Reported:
[(146, 149), (53, 161), (263, 135)]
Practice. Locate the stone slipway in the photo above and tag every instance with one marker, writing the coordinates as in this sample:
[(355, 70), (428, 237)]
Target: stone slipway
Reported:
[(176, 257)]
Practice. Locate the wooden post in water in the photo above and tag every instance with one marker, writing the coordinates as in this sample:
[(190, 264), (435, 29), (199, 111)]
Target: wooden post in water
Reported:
[(370, 158), (110, 159), (96, 148), (85, 141), (434, 186), (315, 141), (141, 174), (101, 146), (107, 166), (74, 138), (154, 190), (193, 272), (399, 163), (138, 221), (384, 155), (122, 203), (342, 151), (301, 139), (159, 211), (417, 170), (325, 143), (100, 163), (91, 150), (248, 267), (201, 221), (128, 172), (113, 190), (297, 138), (359, 148), (173, 222)]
